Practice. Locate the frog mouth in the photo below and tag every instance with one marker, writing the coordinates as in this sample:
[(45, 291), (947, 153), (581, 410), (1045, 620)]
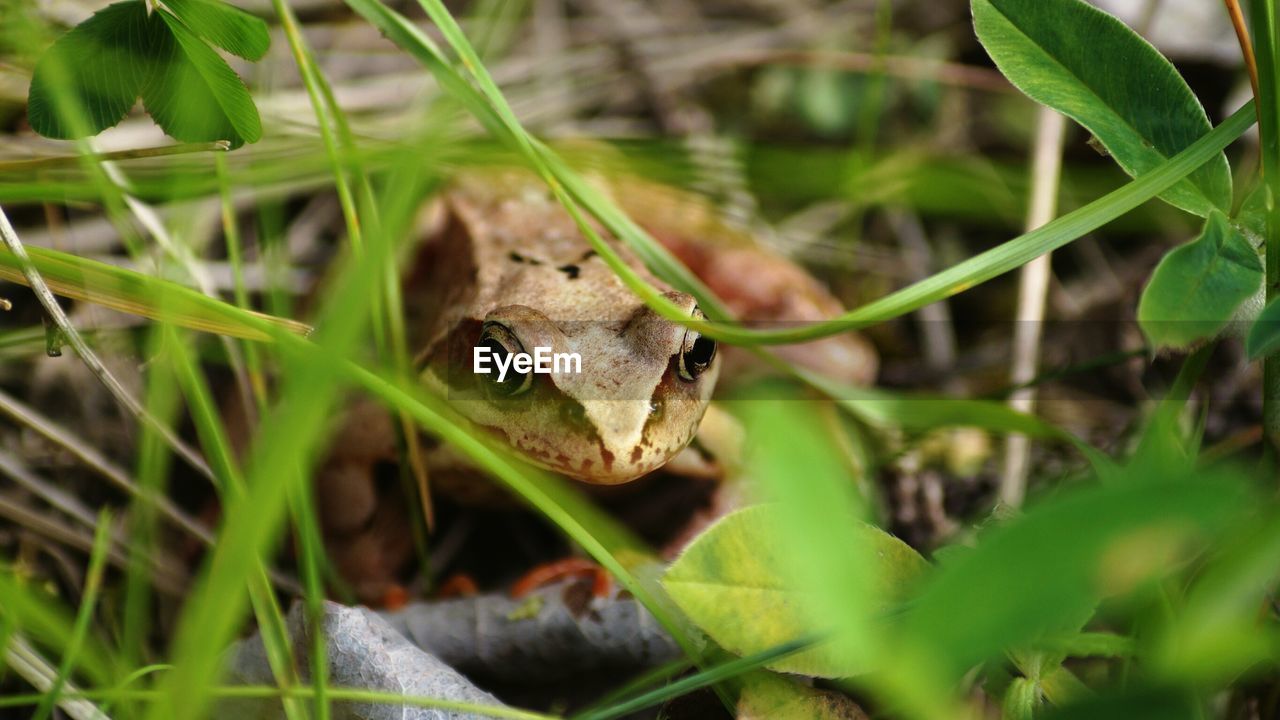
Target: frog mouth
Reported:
[(604, 469)]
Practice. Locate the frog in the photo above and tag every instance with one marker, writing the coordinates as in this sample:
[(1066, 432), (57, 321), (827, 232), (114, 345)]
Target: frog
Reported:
[(503, 270), (509, 273)]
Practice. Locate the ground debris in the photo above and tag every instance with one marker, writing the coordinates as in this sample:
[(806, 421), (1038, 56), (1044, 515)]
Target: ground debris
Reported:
[(496, 636), (364, 652)]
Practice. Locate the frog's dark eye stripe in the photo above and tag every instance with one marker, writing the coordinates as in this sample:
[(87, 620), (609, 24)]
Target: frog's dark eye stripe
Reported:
[(697, 352), (502, 343)]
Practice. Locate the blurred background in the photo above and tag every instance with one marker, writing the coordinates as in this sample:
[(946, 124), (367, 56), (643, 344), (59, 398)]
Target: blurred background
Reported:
[(871, 141)]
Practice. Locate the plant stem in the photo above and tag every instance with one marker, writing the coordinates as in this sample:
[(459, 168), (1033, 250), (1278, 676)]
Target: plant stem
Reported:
[(1246, 48), (1033, 289), (58, 161), (1263, 20)]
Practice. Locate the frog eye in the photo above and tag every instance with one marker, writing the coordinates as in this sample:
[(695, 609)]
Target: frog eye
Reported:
[(696, 351), (502, 344)]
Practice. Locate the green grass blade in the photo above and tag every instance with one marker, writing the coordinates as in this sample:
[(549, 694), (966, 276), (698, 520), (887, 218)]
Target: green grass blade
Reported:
[(138, 294), (88, 603), (272, 624), (704, 678), (495, 115)]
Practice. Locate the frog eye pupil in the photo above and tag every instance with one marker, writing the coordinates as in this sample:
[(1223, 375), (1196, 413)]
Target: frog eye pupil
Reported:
[(497, 351), (697, 356)]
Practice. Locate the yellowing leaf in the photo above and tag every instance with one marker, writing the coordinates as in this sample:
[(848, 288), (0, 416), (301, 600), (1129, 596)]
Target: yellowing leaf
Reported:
[(769, 697), (733, 582)]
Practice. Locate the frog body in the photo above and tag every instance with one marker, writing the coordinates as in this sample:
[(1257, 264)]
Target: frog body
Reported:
[(503, 265), (509, 269)]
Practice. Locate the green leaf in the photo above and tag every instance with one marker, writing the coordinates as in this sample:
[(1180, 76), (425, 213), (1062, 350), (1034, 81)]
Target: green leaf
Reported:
[(1143, 704), (1091, 644), (228, 27), (1264, 336), (89, 79), (195, 96), (1041, 573), (1196, 288), (1220, 632), (1091, 67), (736, 570)]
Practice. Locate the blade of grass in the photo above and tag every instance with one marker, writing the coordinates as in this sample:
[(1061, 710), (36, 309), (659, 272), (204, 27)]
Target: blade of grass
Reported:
[(91, 281), (108, 707), (281, 457), (271, 620), (344, 695), (662, 673), (100, 464), (1265, 27), (153, 463), (88, 603), (705, 678), (491, 109), (36, 282), (388, 316), (35, 614), (44, 163), (313, 560)]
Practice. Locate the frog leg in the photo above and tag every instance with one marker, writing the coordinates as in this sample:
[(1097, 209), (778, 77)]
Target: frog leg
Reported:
[(548, 573)]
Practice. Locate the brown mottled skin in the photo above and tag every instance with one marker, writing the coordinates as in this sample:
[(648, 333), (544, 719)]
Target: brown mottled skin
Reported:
[(519, 259)]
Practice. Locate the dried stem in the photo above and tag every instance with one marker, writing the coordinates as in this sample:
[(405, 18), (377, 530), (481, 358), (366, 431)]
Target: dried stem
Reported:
[(1246, 46), (58, 161), (1033, 287), (27, 662)]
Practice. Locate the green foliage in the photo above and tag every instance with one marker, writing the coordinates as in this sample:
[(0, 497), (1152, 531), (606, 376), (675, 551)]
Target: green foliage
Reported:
[(140, 294), (102, 64), (91, 76), (804, 565), (739, 569), (1264, 335), (194, 95), (1091, 67), (1219, 637), (579, 194), (1196, 288), (769, 696), (1044, 572), (227, 27), (1021, 699), (1145, 703)]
